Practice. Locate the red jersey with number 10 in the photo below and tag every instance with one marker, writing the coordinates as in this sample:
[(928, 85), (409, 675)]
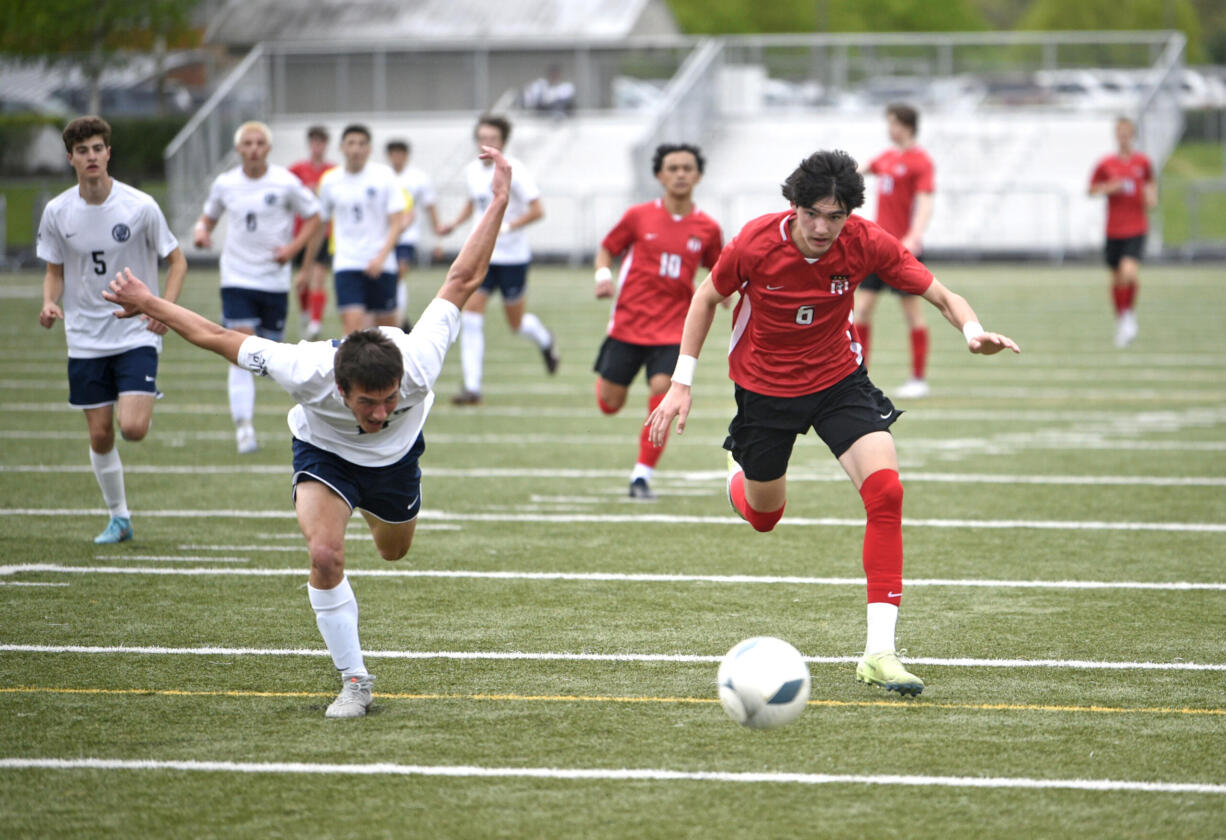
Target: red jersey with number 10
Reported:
[(662, 252), (1125, 207), (791, 329)]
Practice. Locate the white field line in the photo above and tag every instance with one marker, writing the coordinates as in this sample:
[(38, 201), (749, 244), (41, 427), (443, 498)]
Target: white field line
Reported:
[(31, 583), (666, 479), (1054, 440), (172, 558), (596, 577), (607, 774), (671, 519), (1079, 664)]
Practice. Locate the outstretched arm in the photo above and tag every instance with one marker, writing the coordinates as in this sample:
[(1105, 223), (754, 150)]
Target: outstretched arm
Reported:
[(676, 402), (135, 298), (473, 261), (959, 313)]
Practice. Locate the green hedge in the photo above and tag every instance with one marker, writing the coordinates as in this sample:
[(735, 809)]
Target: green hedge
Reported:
[(137, 144)]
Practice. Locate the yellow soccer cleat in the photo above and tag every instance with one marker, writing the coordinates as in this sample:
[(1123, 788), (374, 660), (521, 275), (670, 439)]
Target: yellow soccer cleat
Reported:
[(885, 670)]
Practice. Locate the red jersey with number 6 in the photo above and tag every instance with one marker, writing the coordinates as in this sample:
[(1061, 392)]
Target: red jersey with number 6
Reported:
[(661, 253), (1125, 207), (791, 329)]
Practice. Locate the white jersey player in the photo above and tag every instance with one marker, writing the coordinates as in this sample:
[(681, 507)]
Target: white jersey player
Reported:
[(367, 208), (420, 188), (262, 200), (87, 233), (508, 271), (357, 428)]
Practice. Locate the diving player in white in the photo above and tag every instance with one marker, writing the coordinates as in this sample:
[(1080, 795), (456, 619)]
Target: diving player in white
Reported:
[(356, 427), (86, 234), (255, 259)]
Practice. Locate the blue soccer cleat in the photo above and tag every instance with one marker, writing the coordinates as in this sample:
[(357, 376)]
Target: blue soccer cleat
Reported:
[(118, 530)]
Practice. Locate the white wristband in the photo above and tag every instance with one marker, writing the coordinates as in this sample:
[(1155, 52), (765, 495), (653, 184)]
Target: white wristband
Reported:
[(683, 374), (603, 274), (972, 330)]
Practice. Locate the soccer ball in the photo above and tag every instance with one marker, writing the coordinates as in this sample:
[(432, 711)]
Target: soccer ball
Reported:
[(763, 683)]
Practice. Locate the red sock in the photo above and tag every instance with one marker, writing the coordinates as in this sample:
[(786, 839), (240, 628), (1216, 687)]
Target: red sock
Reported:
[(1130, 295), (604, 406), (304, 296), (863, 331), (919, 351), (882, 495), (319, 298), (1119, 294), (760, 521), (649, 453)]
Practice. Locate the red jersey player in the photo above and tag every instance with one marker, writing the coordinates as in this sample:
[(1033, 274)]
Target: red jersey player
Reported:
[(1127, 179), (662, 243), (796, 365), (312, 280), (904, 208)]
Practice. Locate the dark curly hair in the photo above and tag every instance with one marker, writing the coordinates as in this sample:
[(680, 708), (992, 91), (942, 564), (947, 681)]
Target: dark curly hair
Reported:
[(824, 175), (368, 359)]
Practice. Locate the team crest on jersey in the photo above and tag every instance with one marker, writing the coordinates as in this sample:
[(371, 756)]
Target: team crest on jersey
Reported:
[(258, 363), (694, 244), (270, 199), (839, 283), (370, 192), (121, 232), (900, 169)]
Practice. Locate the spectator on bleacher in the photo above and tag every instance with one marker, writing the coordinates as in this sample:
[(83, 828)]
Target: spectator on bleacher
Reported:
[(904, 208), (1127, 179), (551, 94)]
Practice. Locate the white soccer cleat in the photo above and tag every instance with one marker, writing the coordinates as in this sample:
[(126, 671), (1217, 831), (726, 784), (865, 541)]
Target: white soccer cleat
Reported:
[(244, 436), (354, 700), (912, 389), (312, 331)]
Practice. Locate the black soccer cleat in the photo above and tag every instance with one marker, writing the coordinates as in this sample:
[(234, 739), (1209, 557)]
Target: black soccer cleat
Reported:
[(640, 490), (552, 359)]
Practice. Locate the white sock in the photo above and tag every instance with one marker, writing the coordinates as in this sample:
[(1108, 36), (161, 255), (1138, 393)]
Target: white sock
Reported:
[(882, 618), (641, 471), (402, 298), (472, 349), (336, 614), (532, 329), (108, 469), (242, 394)]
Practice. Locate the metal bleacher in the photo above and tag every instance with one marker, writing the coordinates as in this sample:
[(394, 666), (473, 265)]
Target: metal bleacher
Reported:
[(1011, 178)]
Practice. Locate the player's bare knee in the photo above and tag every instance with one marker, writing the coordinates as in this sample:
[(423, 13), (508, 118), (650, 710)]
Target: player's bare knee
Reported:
[(102, 441), (327, 558), (133, 432), (392, 553)]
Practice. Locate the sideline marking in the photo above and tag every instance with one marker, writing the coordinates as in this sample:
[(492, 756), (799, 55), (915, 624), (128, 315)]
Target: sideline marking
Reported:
[(601, 774), (676, 478), (585, 698), (628, 577), (669, 519), (1083, 664)]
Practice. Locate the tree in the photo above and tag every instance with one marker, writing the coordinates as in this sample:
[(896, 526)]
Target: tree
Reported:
[(1117, 14), (90, 33)]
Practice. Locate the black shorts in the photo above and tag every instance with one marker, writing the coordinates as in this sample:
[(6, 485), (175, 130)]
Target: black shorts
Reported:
[(874, 283), (764, 430), (1128, 246), (322, 258), (618, 361)]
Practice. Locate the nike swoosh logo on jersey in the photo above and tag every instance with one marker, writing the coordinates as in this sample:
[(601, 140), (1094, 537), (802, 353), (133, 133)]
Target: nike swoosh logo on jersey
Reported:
[(771, 288), (649, 236)]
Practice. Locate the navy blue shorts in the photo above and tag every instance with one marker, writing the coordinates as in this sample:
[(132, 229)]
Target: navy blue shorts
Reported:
[(263, 312), (618, 361), (391, 493), (406, 254), (374, 294), (93, 383), (508, 279)]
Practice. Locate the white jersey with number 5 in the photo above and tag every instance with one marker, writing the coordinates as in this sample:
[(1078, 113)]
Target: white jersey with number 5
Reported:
[(358, 203), (512, 247), (93, 242), (262, 214), (307, 371)]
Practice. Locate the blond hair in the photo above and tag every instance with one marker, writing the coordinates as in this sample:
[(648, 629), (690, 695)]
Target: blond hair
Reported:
[(257, 126)]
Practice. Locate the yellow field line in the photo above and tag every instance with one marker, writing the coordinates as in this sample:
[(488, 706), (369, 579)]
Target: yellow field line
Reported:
[(572, 698)]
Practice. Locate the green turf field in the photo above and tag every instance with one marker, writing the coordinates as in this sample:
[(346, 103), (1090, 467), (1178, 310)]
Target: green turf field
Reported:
[(546, 654)]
